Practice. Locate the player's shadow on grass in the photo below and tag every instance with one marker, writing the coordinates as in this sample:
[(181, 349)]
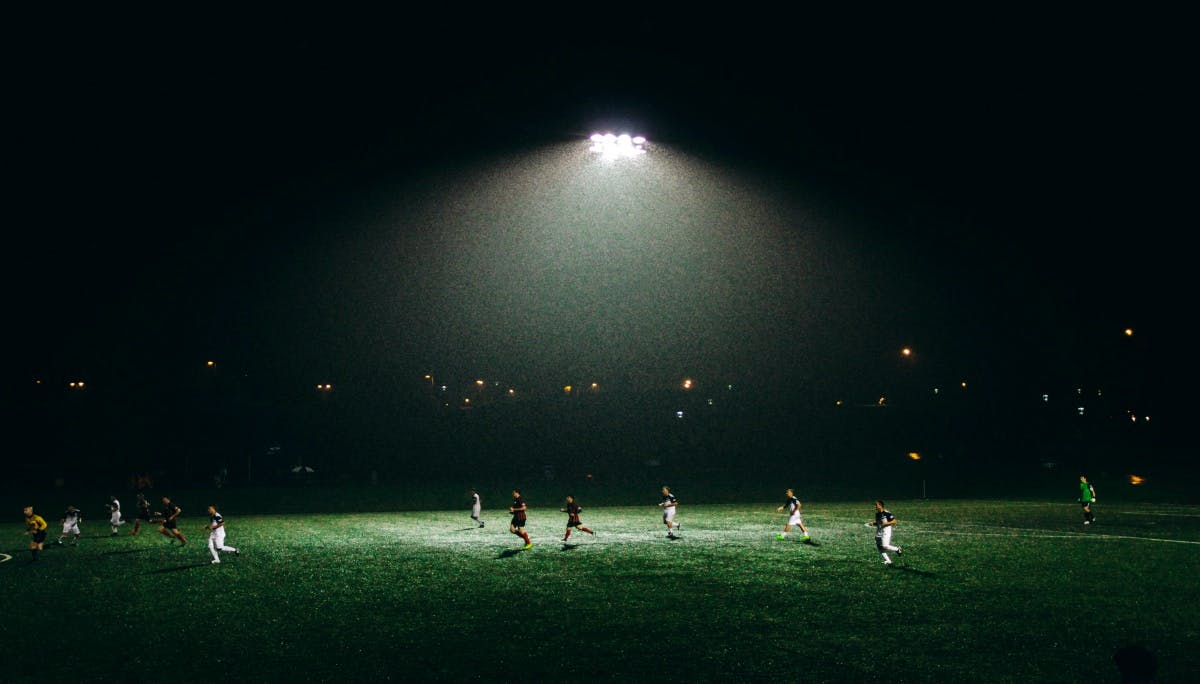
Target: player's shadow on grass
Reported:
[(509, 553), (914, 571), (122, 553), (467, 529), (177, 568), (569, 547)]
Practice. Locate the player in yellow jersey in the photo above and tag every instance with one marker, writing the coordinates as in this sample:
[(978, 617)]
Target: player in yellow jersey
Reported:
[(36, 525)]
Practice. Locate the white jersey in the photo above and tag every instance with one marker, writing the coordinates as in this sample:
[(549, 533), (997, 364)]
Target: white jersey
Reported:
[(115, 507), (668, 506), (793, 509), (475, 506)]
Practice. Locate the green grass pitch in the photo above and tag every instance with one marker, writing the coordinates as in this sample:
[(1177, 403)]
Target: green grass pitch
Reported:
[(986, 591)]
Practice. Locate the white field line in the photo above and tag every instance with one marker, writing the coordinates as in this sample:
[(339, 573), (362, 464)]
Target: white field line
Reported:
[(1044, 534)]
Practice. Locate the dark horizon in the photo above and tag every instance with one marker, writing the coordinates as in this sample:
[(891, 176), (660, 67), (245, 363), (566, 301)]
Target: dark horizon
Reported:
[(1005, 203)]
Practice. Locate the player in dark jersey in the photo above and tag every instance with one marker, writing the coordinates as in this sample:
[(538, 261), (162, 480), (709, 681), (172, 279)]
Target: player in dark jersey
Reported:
[(169, 521), (517, 526), (668, 505), (792, 507), (143, 514), (883, 523), (573, 510), (35, 527)]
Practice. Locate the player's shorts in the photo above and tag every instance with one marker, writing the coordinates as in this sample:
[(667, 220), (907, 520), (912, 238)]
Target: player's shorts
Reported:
[(144, 516), (795, 519), (39, 536), (668, 514), (475, 512), (1085, 504), (517, 522), (70, 528), (574, 523), (116, 518), (170, 524)]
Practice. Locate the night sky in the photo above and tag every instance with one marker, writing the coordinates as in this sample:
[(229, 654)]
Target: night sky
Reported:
[(320, 198)]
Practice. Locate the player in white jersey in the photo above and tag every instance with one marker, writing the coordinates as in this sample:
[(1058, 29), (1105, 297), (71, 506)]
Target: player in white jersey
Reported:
[(475, 506), (70, 525), (792, 506), (668, 504), (114, 511), (883, 523), (216, 535)]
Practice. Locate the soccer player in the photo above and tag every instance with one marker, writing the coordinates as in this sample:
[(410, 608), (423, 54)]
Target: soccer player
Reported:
[(114, 510), (169, 521), (668, 504), (70, 525), (792, 505), (475, 506), (883, 523), (36, 528), (216, 535), (517, 526), (573, 510), (143, 514), (1087, 497)]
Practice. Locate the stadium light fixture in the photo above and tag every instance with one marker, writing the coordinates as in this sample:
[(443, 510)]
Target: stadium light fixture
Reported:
[(613, 146)]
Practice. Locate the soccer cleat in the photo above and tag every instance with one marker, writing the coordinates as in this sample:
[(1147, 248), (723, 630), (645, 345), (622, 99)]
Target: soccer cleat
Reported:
[(780, 536), (899, 551), (805, 538), (215, 561), (528, 546), (1087, 522), (887, 562), (481, 524), (58, 543), (236, 552)]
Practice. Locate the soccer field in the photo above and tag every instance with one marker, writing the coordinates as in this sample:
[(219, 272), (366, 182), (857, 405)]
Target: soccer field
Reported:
[(985, 591)]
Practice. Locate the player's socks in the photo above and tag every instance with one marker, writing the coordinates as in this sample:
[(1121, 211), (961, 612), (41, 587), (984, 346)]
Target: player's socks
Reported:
[(34, 552), (567, 535)]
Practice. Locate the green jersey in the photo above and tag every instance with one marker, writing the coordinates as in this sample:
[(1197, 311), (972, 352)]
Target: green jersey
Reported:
[(1086, 493)]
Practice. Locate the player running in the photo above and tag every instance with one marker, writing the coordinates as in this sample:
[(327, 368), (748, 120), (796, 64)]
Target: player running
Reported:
[(169, 521), (216, 535), (143, 514), (668, 504), (114, 513), (36, 528), (517, 526), (792, 506), (573, 510), (70, 526), (883, 523)]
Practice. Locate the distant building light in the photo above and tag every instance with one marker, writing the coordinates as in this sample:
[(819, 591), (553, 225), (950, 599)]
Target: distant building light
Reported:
[(906, 352), (882, 400), (963, 384), (679, 414), (937, 390), (1129, 332), (511, 391), (1079, 410), (479, 383), (710, 402), (687, 383), (567, 389), (442, 388), (210, 364), (1045, 398), (1136, 480), (914, 456)]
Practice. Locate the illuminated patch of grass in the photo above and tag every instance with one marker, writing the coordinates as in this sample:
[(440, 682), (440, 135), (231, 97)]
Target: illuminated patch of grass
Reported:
[(986, 591)]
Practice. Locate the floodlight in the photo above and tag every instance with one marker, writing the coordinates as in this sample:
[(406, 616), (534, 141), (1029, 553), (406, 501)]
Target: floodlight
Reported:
[(613, 146)]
